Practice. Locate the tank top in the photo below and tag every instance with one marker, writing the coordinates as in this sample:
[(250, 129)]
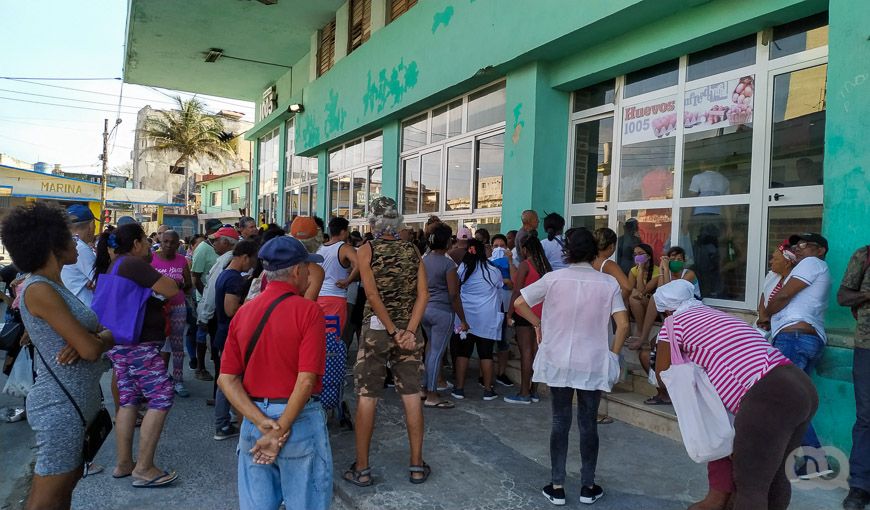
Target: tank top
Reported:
[(394, 264), (531, 277), (173, 269), (333, 270)]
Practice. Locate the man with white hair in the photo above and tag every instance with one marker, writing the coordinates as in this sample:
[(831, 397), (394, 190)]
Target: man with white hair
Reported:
[(394, 278), (79, 277), (271, 370)]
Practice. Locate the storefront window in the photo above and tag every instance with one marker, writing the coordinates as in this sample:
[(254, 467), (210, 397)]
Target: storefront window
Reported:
[(490, 168), (648, 148), (652, 78), (336, 157), (799, 36), (593, 147), (459, 177), (411, 187), (375, 183), (374, 147), (430, 182), (447, 121), (653, 227), (414, 133), (798, 142), (719, 59), (783, 222), (486, 107), (716, 241), (596, 95), (269, 163)]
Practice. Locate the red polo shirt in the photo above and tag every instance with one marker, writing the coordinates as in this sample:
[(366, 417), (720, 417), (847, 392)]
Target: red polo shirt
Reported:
[(293, 341)]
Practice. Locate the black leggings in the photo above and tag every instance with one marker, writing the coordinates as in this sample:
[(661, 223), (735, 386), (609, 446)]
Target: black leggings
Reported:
[(465, 348), (771, 421)]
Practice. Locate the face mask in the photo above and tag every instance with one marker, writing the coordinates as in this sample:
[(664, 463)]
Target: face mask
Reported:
[(640, 259), (676, 266)]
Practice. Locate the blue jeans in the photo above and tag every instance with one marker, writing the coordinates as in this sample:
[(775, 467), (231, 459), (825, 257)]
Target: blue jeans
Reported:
[(301, 476), (805, 351), (587, 421), (859, 461)]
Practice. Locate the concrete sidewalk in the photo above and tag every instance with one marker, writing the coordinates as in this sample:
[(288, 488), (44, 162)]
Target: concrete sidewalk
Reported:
[(484, 455)]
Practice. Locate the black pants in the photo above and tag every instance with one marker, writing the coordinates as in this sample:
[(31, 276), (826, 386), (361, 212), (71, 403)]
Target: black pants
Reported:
[(587, 422), (772, 419)]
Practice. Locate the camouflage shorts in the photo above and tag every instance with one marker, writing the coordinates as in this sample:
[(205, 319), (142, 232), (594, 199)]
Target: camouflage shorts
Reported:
[(379, 350)]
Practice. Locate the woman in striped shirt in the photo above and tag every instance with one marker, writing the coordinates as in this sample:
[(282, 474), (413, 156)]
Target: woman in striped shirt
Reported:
[(772, 400)]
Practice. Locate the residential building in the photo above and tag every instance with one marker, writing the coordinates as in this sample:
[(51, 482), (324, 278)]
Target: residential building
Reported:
[(722, 126), (224, 197)]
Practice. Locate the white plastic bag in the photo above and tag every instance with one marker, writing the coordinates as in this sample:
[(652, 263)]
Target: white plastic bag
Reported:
[(21, 377), (704, 423)]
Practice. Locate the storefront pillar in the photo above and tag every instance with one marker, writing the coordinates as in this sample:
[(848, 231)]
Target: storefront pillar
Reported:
[(391, 163), (536, 145), (281, 214), (321, 207), (254, 191), (847, 157)]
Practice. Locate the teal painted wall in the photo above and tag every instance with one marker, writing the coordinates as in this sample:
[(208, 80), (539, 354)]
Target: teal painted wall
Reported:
[(239, 181), (536, 144), (847, 201)]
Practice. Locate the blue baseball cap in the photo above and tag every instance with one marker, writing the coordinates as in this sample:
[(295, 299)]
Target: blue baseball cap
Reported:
[(283, 251), (79, 212)]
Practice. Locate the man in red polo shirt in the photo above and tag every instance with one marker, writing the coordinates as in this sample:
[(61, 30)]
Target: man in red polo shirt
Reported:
[(275, 385)]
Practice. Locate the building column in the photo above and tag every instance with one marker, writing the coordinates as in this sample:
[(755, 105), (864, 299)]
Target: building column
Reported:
[(390, 169), (536, 144), (254, 190), (379, 14), (282, 173), (342, 31), (847, 157), (321, 207)]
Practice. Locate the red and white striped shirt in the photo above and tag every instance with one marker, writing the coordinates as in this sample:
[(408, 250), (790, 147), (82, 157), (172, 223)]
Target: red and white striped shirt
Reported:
[(734, 355)]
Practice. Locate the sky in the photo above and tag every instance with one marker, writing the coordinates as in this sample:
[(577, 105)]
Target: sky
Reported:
[(72, 39)]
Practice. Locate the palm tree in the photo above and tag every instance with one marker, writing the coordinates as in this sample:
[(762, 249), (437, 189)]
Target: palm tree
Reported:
[(192, 133)]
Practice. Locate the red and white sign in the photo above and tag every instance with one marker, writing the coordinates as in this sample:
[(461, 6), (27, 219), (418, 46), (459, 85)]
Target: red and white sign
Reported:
[(649, 121), (726, 103)]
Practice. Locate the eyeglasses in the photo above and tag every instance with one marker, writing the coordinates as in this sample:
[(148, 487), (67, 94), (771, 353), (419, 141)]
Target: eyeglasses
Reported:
[(803, 244)]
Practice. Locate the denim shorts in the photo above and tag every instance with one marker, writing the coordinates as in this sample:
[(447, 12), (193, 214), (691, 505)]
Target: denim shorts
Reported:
[(301, 476), (802, 349)]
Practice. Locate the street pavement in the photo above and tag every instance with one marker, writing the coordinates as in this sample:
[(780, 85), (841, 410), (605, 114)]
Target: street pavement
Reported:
[(484, 455)]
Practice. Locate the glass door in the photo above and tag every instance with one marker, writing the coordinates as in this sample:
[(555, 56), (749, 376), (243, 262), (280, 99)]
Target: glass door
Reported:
[(589, 194), (795, 152)]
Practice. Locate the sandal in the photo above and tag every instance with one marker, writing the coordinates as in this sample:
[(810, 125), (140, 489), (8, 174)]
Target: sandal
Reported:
[(444, 404), (604, 420), (353, 476), (657, 401), (424, 468)]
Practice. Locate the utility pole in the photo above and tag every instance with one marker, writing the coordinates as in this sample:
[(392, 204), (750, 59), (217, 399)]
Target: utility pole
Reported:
[(103, 187)]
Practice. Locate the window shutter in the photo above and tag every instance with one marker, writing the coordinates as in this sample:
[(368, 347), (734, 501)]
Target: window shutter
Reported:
[(399, 7), (360, 23), (326, 51)]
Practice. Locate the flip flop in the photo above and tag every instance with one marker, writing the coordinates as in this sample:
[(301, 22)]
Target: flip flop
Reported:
[(150, 484), (118, 477), (444, 404), (656, 401), (605, 420)]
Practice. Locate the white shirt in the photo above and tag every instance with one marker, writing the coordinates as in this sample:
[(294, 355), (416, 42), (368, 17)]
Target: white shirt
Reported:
[(481, 301), (76, 277), (574, 350), (810, 303), (333, 270), (709, 184), (553, 251), (205, 308)]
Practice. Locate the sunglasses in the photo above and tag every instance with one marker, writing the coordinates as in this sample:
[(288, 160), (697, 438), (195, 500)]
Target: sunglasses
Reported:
[(803, 244)]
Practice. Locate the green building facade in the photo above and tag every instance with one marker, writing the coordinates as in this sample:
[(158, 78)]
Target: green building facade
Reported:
[(223, 197), (722, 126)]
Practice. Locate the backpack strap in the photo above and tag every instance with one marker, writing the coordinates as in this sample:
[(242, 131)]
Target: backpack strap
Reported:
[(259, 331)]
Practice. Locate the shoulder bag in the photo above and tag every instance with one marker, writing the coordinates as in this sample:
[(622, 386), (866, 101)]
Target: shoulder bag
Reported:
[(255, 337), (120, 305), (704, 423), (98, 430)]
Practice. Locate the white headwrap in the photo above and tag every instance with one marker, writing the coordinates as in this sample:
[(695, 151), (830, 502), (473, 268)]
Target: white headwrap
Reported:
[(677, 296)]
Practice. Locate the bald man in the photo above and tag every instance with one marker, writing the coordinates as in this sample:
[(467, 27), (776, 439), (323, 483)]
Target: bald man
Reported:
[(530, 224)]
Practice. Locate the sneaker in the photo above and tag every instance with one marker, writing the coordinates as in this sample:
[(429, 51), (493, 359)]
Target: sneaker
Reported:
[(203, 375), (555, 496), (589, 495), (490, 394), (857, 499), (191, 363), (227, 432), (458, 393), (535, 397), (518, 399), (504, 381), (181, 391)]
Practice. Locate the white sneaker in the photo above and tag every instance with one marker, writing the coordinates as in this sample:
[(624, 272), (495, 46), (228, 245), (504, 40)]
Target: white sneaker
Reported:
[(181, 391)]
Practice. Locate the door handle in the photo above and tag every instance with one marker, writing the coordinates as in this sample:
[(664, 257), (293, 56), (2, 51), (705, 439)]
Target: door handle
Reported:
[(777, 196), (604, 207)]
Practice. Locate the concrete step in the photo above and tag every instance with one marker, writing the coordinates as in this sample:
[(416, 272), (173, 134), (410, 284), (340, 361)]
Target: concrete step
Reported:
[(628, 406)]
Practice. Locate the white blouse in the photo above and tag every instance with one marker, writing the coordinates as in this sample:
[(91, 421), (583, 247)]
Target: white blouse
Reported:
[(481, 301)]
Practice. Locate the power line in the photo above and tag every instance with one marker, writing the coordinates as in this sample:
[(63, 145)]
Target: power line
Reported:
[(45, 126), (54, 78), (68, 99), (62, 105), (92, 91)]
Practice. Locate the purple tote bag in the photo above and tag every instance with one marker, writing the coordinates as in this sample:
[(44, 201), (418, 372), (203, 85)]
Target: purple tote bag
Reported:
[(120, 305)]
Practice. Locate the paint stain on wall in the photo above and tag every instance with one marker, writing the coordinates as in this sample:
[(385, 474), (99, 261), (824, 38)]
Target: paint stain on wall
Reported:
[(310, 130), (442, 18), (390, 85), (335, 115), (519, 123)]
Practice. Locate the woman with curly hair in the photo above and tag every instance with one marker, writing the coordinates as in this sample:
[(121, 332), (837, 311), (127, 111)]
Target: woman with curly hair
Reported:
[(70, 343)]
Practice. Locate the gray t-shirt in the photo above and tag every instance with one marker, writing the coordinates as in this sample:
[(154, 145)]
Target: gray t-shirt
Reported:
[(437, 267)]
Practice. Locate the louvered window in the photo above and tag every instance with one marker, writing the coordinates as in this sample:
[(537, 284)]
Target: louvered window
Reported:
[(360, 23), (399, 7), (326, 49)]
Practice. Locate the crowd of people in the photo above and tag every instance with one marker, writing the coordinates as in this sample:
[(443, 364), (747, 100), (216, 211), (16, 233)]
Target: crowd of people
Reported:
[(419, 305)]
